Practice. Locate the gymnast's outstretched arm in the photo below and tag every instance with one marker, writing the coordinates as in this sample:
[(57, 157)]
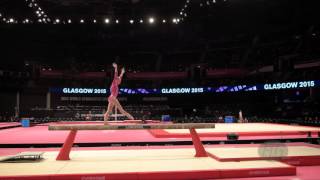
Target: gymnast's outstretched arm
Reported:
[(121, 74), (115, 70)]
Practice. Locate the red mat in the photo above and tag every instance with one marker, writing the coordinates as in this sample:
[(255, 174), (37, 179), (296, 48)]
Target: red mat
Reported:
[(170, 175), (161, 133), (292, 160), (12, 151), (101, 122), (303, 173), (9, 124), (40, 135)]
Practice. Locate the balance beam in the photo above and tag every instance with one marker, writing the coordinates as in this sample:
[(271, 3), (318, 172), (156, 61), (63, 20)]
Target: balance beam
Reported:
[(67, 145), (132, 127)]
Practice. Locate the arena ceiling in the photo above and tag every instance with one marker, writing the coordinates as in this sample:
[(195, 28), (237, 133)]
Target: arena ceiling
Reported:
[(206, 24), (196, 10)]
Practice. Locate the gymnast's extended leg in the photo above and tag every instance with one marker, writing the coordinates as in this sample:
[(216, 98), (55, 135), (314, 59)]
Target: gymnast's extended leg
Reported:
[(109, 109), (118, 105)]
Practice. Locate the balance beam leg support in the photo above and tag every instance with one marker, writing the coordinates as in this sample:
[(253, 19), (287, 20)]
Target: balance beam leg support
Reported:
[(200, 151), (67, 145)]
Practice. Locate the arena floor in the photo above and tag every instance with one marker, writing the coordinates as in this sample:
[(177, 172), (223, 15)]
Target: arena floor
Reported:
[(288, 160), (39, 134), (249, 127), (243, 129), (124, 162)]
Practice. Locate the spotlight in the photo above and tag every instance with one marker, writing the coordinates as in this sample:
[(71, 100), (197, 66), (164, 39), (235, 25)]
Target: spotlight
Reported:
[(81, 21), (0, 15), (57, 20), (107, 21), (39, 20), (151, 20), (174, 20), (94, 21), (69, 21), (164, 21), (141, 21), (11, 20), (214, 1), (131, 21), (117, 21), (27, 20)]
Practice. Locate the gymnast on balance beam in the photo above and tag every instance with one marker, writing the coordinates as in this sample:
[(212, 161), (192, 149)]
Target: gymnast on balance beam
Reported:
[(114, 91)]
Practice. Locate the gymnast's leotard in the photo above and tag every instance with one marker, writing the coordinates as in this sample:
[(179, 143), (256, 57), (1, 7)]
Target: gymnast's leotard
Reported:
[(114, 89)]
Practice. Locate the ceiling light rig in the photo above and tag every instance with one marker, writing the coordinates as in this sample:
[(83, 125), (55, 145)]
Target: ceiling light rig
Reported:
[(26, 21), (41, 16), (8, 20), (183, 12), (109, 21), (41, 19), (209, 2)]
